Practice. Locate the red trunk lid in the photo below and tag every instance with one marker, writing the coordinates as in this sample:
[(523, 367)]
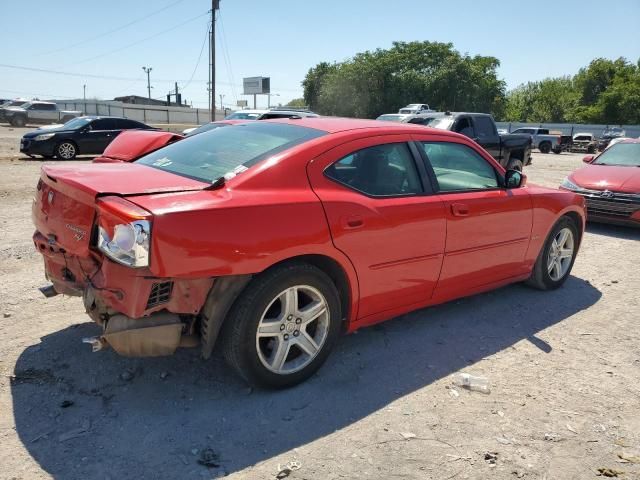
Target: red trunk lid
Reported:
[(64, 205)]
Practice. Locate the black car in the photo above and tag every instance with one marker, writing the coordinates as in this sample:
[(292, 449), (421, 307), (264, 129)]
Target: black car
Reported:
[(88, 135)]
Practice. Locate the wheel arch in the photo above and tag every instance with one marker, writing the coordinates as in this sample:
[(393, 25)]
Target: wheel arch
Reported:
[(227, 289)]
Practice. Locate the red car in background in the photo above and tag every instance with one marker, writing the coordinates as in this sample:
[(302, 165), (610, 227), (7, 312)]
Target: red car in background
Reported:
[(276, 236), (610, 184)]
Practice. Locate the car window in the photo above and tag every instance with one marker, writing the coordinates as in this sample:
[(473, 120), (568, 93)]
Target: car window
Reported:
[(103, 124), (459, 168), (383, 170), (484, 127), (124, 124), (226, 152), (463, 126), (43, 106)]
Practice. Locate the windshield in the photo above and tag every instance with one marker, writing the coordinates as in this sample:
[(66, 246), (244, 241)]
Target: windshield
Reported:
[(243, 116), (76, 123), (623, 154), (613, 132), (223, 152), (206, 127), (442, 123), (391, 118)]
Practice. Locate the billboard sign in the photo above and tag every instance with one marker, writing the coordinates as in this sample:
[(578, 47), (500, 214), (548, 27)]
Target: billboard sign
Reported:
[(256, 85)]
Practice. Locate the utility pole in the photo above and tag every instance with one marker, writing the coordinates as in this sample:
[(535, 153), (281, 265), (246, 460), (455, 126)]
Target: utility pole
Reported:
[(148, 72), (84, 92), (215, 5), (221, 106)]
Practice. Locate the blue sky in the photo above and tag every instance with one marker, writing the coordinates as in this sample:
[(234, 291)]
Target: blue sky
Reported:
[(282, 39)]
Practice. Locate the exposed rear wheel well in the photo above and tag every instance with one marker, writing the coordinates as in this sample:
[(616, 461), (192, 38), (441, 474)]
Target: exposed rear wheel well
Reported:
[(335, 272)]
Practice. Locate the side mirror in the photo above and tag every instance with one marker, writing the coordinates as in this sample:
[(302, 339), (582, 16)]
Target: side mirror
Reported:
[(588, 158), (514, 179)]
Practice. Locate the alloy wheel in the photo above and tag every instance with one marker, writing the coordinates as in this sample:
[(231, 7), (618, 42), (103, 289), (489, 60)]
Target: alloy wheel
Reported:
[(292, 329), (560, 254), (67, 151)]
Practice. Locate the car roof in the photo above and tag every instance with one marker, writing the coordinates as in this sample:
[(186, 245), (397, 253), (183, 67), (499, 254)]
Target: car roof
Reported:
[(338, 124)]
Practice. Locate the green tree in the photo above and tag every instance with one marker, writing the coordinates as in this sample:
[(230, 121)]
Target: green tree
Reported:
[(297, 103)]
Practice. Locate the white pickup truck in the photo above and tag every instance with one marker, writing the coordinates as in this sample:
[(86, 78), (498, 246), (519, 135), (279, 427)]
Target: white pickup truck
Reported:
[(38, 112), (542, 140)]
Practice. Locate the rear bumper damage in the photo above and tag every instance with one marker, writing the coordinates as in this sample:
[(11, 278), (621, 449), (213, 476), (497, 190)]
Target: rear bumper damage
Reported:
[(141, 315)]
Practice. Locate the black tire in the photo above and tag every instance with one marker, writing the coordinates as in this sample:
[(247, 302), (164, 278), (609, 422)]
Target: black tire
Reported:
[(544, 147), (239, 332), (18, 121), (591, 149), (540, 276), (66, 150), (557, 150), (515, 164)]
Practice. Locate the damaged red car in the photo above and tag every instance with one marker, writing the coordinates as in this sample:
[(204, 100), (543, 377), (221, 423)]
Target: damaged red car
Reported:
[(272, 238)]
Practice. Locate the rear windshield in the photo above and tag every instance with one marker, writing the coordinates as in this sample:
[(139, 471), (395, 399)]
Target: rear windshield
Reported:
[(442, 123), (223, 152)]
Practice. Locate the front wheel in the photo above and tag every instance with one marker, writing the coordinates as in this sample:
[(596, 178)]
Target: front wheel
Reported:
[(283, 326), (18, 121), (555, 261), (66, 151)]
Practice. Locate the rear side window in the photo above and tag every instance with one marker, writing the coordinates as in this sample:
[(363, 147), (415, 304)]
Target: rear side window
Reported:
[(484, 127), (103, 124), (383, 170), (43, 106), (464, 126), (124, 124), (459, 168)]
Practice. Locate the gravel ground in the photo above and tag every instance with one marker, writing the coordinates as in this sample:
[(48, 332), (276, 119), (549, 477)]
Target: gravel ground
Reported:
[(563, 368)]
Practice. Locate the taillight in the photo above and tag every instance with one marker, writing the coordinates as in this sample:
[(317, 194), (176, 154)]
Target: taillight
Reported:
[(124, 231)]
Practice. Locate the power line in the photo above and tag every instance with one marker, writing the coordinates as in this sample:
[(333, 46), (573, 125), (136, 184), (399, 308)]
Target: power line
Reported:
[(111, 52), (206, 37), (225, 54), (118, 78), (117, 29)]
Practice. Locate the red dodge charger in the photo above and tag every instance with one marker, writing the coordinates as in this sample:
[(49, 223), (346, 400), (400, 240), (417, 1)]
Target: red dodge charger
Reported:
[(276, 236)]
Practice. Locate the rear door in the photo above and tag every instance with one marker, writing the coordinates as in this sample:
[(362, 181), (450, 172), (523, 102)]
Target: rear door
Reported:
[(43, 113), (383, 218), (488, 226)]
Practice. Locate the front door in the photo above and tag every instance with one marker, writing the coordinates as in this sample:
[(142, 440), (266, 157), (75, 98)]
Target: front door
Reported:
[(100, 134), (488, 226), (383, 218)]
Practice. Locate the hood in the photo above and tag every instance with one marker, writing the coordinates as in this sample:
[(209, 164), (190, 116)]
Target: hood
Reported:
[(132, 144), (50, 129), (14, 109), (608, 177), (86, 182)]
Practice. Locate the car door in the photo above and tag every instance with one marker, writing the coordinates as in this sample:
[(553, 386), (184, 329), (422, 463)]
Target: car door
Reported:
[(99, 134), (384, 218), (488, 226), (43, 113)]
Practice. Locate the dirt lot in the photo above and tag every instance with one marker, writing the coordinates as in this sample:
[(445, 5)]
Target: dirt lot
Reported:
[(563, 368)]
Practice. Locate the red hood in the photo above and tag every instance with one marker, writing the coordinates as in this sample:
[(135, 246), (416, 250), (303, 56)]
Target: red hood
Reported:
[(85, 182), (132, 144), (608, 177)]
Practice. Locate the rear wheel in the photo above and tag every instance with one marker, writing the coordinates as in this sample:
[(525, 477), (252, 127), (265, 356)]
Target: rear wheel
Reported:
[(283, 326), (555, 261), (557, 150), (66, 151), (544, 147)]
